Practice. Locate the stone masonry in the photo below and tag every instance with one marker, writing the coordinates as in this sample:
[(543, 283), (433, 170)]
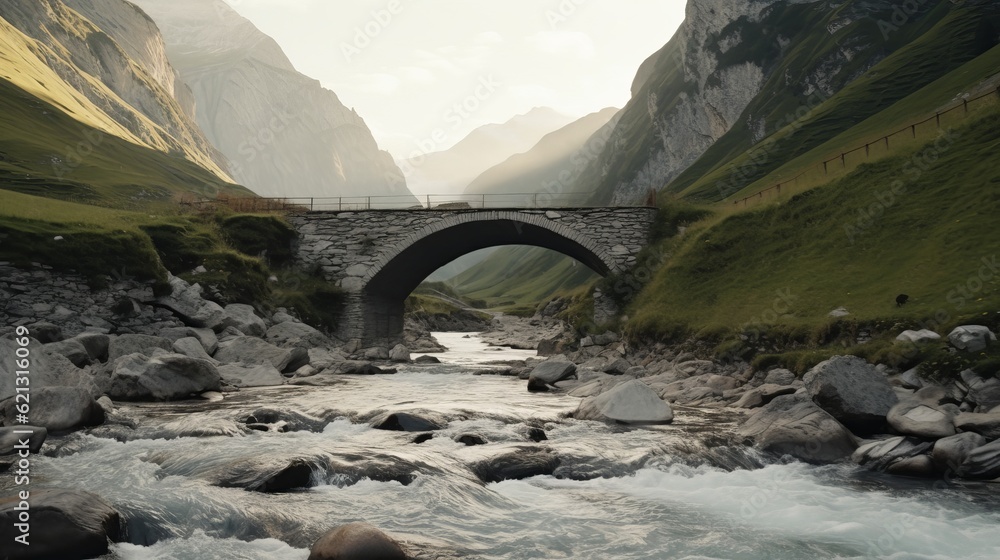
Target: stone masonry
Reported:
[(379, 256)]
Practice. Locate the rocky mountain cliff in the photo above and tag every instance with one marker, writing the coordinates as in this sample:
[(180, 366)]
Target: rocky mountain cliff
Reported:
[(736, 72), (284, 134), (104, 63)]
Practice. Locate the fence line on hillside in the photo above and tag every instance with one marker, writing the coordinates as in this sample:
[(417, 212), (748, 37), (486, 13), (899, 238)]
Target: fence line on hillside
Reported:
[(830, 165)]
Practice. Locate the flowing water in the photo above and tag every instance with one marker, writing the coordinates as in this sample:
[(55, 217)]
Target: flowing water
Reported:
[(660, 492)]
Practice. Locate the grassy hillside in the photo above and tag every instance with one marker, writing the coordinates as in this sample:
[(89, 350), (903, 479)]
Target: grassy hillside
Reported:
[(958, 36), (518, 278), (920, 223), (45, 152)]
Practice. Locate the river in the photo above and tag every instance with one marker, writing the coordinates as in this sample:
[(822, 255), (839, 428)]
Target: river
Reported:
[(661, 492)]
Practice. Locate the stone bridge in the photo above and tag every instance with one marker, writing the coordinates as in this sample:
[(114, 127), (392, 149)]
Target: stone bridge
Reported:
[(380, 256)]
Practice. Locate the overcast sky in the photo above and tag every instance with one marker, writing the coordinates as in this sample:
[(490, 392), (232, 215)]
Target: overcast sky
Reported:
[(411, 67)]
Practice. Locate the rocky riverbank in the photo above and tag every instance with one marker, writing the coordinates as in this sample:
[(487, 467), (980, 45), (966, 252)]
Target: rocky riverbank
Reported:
[(89, 352)]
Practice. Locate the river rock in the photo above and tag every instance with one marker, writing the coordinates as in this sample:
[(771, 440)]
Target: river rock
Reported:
[(377, 353), (971, 338), (73, 350), (949, 453), (399, 354), (548, 373), (186, 301), (351, 367), (8, 439), (427, 360), (356, 541), (605, 339), (48, 369), (249, 350), (137, 377), (259, 375), (853, 392), (45, 332), (192, 348), (297, 335), (919, 466), (268, 475), (632, 402), (407, 422), (126, 344), (794, 425), (918, 337), (525, 462), (922, 418), (759, 396), (986, 424), (471, 439), (617, 367), (244, 318), (207, 337), (879, 455), (322, 358), (779, 376), (96, 344), (289, 420), (983, 463), (58, 408), (984, 393), (65, 524)]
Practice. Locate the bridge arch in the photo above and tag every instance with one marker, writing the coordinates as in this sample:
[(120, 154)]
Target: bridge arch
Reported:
[(380, 256), (399, 270)]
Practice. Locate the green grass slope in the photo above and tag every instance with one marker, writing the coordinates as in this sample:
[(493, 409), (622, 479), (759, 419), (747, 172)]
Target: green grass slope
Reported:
[(46, 152), (521, 277), (958, 35), (921, 223)]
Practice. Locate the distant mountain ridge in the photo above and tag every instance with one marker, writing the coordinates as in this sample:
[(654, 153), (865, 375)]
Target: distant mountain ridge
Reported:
[(553, 165), (452, 170), (284, 134)]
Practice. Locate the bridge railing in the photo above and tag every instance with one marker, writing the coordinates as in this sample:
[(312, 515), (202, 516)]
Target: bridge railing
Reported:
[(423, 202)]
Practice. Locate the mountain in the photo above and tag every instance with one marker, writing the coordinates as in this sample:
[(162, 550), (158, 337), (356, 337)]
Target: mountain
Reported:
[(284, 134), (554, 164), (739, 72), (452, 170), (119, 82)]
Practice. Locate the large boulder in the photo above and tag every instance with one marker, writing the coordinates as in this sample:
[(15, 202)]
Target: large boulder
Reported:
[(853, 392), (65, 524), (209, 340), (632, 402), (794, 425), (986, 424), (186, 301), (96, 344), (880, 455), (985, 393), (46, 369), (253, 351), (548, 373), (922, 418), (136, 344), (982, 463), (292, 334), (138, 377), (73, 350), (525, 462), (58, 408), (971, 338), (780, 376), (259, 375), (356, 541), (399, 354), (759, 396), (10, 441), (949, 453), (191, 347), (918, 337), (243, 317)]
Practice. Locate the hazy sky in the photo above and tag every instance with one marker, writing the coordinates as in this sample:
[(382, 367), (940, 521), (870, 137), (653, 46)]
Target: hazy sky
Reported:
[(412, 68)]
